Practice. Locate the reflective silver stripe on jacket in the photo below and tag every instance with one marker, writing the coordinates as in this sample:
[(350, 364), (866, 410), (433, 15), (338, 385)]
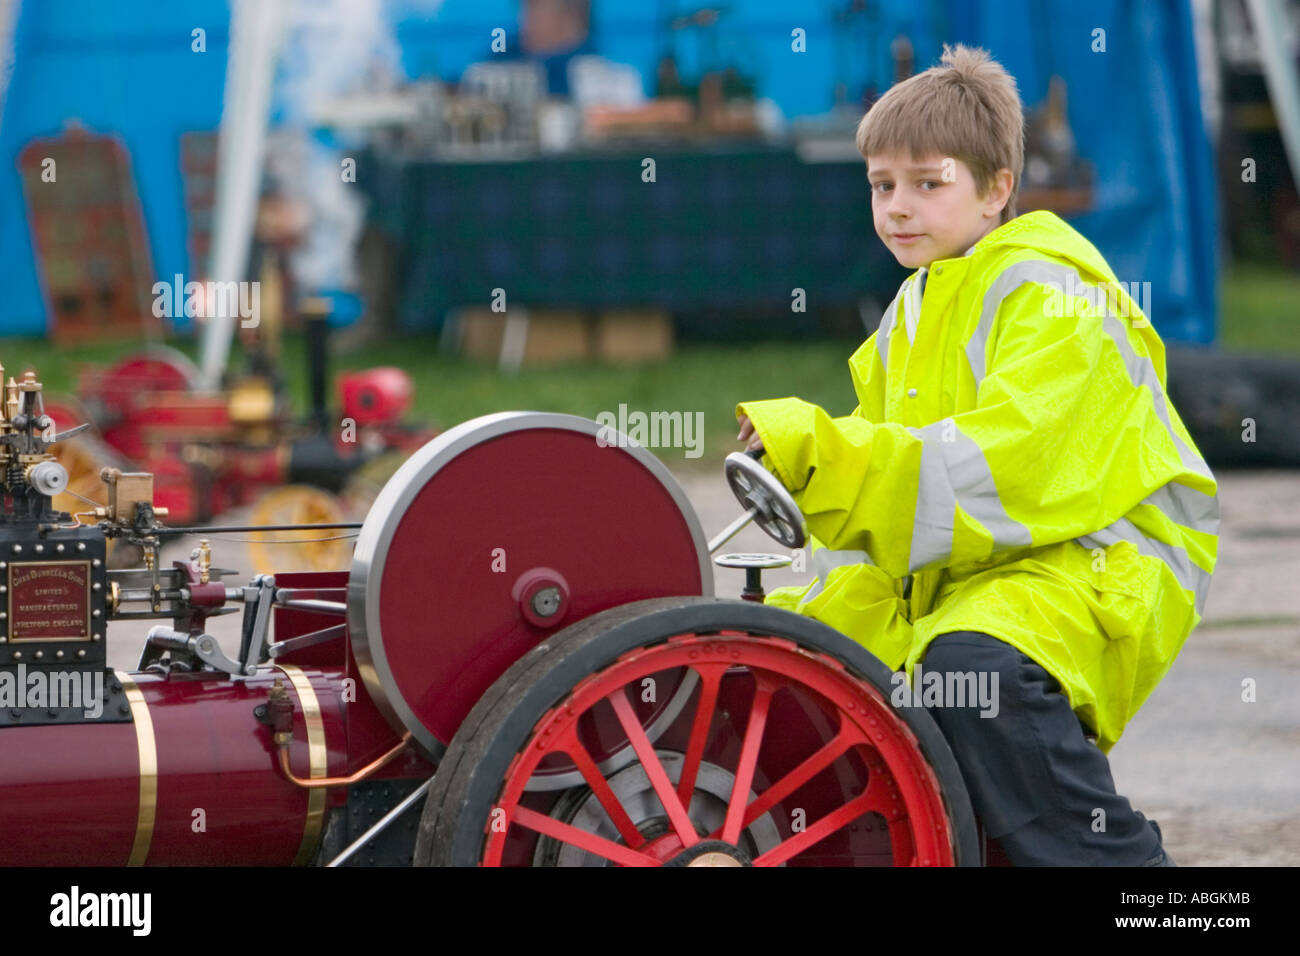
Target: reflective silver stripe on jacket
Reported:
[(956, 473), (1186, 506), (1170, 501), (1190, 576), (1143, 375), (1007, 282), (887, 322), (825, 561)]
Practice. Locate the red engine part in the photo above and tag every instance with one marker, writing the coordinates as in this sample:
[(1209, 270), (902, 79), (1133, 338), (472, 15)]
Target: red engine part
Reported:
[(182, 416), (192, 780), (246, 475), (66, 411), (178, 488), (157, 369), (377, 396), (369, 734), (127, 390)]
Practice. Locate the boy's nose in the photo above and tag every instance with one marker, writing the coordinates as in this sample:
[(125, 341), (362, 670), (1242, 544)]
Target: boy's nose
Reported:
[(897, 208)]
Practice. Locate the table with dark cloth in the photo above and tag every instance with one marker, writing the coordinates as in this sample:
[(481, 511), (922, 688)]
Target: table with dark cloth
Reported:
[(722, 228)]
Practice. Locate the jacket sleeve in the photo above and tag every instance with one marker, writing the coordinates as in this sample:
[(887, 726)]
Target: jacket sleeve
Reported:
[(1064, 439)]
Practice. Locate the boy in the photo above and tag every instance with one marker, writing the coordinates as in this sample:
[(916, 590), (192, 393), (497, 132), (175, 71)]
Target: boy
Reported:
[(1014, 494)]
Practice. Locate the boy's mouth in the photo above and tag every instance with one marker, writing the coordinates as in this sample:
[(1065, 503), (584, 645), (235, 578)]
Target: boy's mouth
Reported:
[(906, 236)]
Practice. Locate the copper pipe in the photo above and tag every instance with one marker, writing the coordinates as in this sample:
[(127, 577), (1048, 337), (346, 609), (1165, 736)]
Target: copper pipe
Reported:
[(360, 775)]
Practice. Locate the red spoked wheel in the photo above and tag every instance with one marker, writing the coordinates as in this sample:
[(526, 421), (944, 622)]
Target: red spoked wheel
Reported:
[(787, 752)]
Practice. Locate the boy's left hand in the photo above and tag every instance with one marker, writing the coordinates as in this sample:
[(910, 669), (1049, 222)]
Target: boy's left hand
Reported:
[(746, 430)]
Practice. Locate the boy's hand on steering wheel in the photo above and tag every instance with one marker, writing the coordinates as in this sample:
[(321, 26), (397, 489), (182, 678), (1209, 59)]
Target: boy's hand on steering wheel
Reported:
[(747, 430)]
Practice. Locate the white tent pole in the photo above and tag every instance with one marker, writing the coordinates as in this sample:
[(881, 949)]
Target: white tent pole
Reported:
[(1280, 74), (9, 10), (255, 27)]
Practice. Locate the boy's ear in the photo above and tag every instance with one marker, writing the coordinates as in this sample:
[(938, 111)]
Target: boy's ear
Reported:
[(999, 192)]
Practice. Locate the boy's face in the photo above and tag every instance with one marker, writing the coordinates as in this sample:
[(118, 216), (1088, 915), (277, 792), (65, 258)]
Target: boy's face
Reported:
[(926, 208)]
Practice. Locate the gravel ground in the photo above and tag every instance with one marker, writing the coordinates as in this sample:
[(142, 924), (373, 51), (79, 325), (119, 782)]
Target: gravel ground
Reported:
[(1222, 776)]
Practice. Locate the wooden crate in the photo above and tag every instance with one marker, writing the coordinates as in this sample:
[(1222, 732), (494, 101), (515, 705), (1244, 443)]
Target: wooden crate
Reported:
[(525, 337), (634, 335)]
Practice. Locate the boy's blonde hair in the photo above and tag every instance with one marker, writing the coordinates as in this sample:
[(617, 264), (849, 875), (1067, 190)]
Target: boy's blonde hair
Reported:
[(967, 108)]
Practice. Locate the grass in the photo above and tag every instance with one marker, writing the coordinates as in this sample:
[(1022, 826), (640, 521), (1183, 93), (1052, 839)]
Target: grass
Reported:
[(1262, 317), (1260, 311)]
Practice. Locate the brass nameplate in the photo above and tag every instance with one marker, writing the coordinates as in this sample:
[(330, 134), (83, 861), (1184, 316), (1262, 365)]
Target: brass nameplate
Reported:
[(49, 601)]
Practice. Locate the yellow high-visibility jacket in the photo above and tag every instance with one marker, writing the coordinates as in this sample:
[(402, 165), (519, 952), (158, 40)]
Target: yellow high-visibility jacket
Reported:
[(1019, 464)]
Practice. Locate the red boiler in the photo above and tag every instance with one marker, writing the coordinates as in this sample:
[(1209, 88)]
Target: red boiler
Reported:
[(191, 780)]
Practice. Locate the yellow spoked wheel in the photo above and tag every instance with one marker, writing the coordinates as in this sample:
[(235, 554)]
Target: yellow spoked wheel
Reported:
[(83, 456), (309, 549), (365, 484)]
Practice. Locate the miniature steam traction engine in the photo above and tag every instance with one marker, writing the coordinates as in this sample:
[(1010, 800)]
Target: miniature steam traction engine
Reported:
[(524, 665)]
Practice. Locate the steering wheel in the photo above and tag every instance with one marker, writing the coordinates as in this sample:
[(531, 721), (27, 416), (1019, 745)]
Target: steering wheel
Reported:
[(764, 498)]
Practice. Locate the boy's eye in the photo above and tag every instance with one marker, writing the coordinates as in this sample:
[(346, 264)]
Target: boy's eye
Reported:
[(880, 186), (933, 184)]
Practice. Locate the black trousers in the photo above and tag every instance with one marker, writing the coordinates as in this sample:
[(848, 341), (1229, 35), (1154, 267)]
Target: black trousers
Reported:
[(1037, 784)]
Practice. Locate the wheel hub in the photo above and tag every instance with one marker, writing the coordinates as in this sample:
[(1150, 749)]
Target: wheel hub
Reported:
[(711, 853), (580, 807)]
